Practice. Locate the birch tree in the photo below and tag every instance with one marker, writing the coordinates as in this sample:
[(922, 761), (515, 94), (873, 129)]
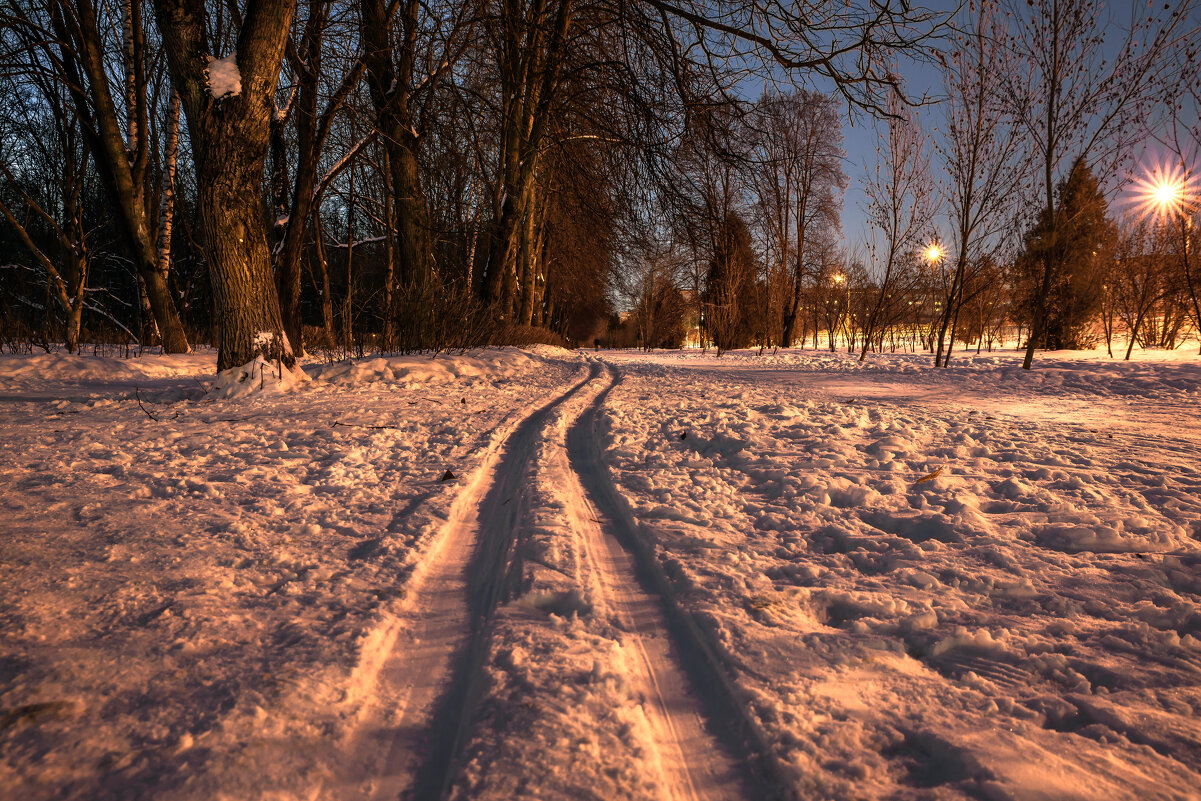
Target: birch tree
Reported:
[(113, 105)]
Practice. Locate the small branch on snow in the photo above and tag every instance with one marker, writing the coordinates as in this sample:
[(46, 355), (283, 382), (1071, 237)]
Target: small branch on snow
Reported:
[(362, 425), (137, 393), (358, 242)]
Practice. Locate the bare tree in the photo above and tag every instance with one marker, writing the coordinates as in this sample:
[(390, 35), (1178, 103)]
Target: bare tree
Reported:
[(50, 147), (113, 105), (1183, 207), (851, 45), (1136, 276), (310, 66), (901, 204), (1074, 102), (978, 148), (799, 181), (408, 46)]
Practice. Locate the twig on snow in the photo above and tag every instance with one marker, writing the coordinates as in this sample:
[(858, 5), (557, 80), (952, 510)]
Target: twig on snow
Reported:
[(363, 425)]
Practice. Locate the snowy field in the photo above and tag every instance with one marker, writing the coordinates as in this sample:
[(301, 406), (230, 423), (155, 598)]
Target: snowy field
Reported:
[(651, 576)]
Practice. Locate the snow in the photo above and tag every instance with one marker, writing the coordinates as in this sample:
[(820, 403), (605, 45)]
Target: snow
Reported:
[(224, 78), (214, 588), (259, 376), (1023, 625)]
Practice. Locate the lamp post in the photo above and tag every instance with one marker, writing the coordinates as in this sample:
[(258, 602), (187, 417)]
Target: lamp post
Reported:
[(1167, 193), (933, 255)]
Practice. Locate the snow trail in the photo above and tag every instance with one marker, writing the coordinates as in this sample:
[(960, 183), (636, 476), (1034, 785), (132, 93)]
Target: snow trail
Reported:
[(668, 664), (418, 670)]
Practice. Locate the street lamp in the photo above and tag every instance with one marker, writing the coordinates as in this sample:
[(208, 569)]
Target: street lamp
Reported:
[(1166, 193), (934, 253)]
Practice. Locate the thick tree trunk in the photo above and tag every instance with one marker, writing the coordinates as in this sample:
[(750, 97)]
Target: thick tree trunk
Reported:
[(790, 317), (240, 269), (230, 134), (390, 74), (77, 280), (410, 215), (502, 257)]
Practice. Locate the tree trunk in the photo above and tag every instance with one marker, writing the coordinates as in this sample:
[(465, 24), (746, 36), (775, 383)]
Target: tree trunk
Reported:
[(390, 74), (327, 297), (410, 215), (347, 333), (121, 156), (247, 307), (389, 272), (230, 136)]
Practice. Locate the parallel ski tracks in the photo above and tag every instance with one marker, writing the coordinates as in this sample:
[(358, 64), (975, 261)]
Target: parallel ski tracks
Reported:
[(423, 666)]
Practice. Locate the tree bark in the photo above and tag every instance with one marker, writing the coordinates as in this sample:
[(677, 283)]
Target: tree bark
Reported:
[(230, 136), (390, 85)]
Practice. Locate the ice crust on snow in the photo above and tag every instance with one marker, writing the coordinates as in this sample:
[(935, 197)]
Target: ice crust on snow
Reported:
[(225, 80)]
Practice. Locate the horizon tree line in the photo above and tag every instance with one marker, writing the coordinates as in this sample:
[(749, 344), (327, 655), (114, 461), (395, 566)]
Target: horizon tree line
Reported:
[(276, 175)]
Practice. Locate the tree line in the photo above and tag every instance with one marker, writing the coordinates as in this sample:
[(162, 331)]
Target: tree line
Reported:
[(996, 213), (275, 175)]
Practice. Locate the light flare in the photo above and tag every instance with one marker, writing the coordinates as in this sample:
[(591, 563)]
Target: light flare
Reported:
[(1166, 191)]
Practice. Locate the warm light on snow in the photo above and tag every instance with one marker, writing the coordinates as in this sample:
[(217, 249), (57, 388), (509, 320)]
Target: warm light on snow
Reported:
[(978, 573)]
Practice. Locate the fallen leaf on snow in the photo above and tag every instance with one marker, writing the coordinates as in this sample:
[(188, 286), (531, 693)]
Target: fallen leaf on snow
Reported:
[(930, 476)]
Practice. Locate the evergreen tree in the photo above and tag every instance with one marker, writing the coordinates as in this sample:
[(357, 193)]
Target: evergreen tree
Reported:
[(1074, 246)]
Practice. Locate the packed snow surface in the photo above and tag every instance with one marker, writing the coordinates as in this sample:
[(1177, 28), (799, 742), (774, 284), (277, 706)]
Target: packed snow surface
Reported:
[(978, 582)]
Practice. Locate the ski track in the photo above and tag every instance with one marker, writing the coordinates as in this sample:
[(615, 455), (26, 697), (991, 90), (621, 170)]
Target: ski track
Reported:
[(421, 671), (692, 764), (417, 668)]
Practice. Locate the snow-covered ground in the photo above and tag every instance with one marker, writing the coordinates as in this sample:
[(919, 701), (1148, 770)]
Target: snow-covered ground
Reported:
[(978, 582), (652, 576)]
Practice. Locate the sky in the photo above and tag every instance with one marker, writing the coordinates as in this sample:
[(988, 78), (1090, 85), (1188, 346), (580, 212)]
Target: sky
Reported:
[(859, 133)]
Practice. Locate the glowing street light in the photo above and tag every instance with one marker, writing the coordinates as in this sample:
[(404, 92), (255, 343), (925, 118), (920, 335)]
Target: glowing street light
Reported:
[(1168, 197), (1167, 194), (934, 253), (839, 278)]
